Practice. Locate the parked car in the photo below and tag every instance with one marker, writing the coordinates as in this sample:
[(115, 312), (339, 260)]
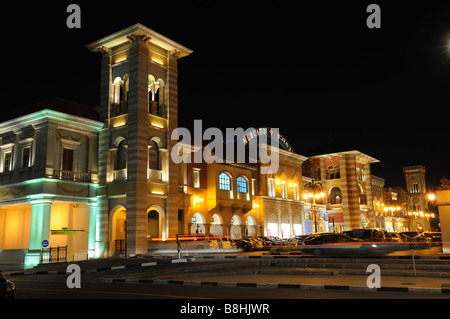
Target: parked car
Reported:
[(226, 243), (276, 240), (7, 288), (431, 238), (266, 241), (290, 242), (244, 244), (410, 234), (257, 244), (398, 237)]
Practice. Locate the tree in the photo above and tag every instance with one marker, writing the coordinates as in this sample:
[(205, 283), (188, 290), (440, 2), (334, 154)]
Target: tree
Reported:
[(444, 184)]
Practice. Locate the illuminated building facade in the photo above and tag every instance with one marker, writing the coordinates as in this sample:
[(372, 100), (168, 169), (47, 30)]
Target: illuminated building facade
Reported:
[(48, 177), (347, 182), (71, 176)]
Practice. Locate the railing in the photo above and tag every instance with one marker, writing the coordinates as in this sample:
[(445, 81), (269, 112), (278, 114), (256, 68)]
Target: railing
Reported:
[(71, 176), (53, 255), (120, 246)]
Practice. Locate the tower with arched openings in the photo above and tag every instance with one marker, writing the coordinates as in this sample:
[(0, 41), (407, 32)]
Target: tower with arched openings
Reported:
[(139, 106)]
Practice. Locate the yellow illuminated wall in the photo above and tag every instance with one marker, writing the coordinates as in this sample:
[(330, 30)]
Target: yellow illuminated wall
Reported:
[(15, 227), (72, 216)]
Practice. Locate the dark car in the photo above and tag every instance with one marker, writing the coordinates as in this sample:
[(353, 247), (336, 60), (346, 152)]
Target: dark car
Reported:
[(328, 238), (7, 288), (369, 235), (331, 244), (244, 244), (266, 240), (301, 238), (398, 237)]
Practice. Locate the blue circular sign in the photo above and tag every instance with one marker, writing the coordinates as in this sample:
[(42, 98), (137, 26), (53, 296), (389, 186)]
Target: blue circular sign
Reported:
[(45, 243)]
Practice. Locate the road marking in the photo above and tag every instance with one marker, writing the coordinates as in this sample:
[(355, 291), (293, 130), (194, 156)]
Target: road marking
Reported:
[(116, 293)]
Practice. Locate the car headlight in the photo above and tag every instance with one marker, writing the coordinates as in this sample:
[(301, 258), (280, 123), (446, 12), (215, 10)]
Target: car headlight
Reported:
[(10, 286)]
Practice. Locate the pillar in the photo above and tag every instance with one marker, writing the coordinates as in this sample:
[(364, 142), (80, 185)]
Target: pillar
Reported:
[(39, 229), (172, 117), (92, 253), (137, 147), (369, 195), (350, 193)]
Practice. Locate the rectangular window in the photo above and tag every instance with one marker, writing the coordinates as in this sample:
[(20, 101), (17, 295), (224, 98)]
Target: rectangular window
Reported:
[(283, 189), (26, 157), (7, 161), (271, 187), (196, 177), (295, 191), (67, 159)]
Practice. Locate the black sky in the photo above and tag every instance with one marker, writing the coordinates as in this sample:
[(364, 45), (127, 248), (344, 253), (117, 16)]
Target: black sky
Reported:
[(313, 70)]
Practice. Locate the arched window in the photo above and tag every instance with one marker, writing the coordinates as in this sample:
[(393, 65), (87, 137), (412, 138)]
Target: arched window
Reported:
[(335, 196), (242, 185), (153, 156), (414, 186), (330, 172), (337, 172), (224, 182), (121, 158)]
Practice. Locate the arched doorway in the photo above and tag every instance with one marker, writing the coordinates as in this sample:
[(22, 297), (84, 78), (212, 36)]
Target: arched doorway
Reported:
[(297, 226), (217, 225), (117, 230), (250, 228), (153, 225), (272, 226), (198, 222), (156, 222), (236, 229), (285, 226)]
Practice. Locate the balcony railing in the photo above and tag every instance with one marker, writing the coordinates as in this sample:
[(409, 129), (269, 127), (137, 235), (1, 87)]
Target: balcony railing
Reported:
[(71, 176)]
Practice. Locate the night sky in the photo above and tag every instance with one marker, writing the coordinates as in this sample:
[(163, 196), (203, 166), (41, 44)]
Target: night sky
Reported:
[(315, 71)]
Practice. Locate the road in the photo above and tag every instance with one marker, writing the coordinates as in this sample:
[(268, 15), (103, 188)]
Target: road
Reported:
[(55, 287)]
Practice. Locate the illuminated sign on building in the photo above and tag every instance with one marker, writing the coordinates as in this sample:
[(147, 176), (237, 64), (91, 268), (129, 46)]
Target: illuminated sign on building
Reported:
[(283, 142)]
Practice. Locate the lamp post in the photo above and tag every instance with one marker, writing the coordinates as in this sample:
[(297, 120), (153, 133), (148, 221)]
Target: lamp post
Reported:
[(314, 190)]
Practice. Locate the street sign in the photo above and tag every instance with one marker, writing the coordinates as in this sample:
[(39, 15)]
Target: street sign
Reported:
[(45, 243), (63, 232)]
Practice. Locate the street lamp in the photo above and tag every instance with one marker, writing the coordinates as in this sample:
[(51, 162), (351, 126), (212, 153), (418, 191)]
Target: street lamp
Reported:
[(314, 190)]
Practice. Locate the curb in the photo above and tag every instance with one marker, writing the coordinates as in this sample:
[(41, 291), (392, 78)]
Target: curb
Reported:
[(275, 286), (91, 270)]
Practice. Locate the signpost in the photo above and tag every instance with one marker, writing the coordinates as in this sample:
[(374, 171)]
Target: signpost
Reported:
[(178, 247)]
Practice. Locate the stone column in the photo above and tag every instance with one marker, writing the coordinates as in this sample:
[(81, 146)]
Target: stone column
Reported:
[(92, 253), (39, 230)]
